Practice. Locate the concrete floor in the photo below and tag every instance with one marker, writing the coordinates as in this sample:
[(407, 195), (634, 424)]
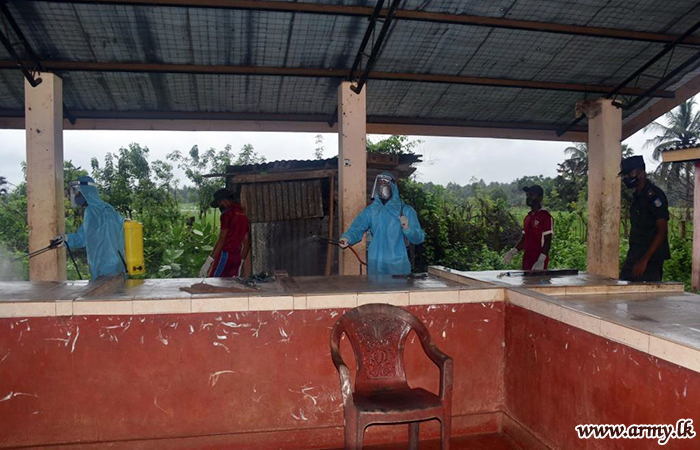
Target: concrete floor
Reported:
[(480, 442)]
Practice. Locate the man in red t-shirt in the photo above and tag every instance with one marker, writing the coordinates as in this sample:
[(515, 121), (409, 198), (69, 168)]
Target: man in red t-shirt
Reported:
[(233, 244), (537, 233)]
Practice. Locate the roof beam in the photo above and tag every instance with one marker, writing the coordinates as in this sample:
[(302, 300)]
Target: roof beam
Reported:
[(423, 16), (197, 121), (78, 66), (655, 109)]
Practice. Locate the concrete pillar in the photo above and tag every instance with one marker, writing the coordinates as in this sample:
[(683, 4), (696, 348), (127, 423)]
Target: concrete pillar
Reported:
[(695, 280), (352, 168), (45, 196), (604, 156)]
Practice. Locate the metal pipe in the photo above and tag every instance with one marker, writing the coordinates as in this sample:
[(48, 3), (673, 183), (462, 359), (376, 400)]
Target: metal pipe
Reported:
[(667, 48), (377, 47), (18, 61), (665, 79), (365, 38)]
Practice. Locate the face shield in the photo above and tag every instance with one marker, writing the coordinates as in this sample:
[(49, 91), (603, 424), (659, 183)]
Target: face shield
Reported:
[(382, 186), (76, 197)]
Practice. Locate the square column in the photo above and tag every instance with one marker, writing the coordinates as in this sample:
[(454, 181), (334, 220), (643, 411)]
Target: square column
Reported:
[(604, 156), (45, 197), (695, 276), (352, 168)]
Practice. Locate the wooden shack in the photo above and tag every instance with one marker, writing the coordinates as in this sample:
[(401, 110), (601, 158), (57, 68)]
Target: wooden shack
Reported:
[(291, 213)]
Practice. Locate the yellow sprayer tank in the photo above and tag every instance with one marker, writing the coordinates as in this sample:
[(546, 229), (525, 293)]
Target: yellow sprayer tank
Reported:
[(133, 243)]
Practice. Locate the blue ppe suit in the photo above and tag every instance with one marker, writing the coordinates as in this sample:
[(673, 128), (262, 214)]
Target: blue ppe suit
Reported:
[(387, 250), (101, 234)]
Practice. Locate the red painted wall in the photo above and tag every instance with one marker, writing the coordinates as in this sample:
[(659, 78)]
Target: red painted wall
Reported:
[(558, 376), (230, 380)]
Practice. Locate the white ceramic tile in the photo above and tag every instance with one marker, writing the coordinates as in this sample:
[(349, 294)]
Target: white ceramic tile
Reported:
[(666, 287), (519, 299), (389, 298), (559, 290), (448, 275), (64, 307), (627, 289), (28, 309), (165, 306), (624, 335), (331, 301), (271, 303), (300, 302), (546, 308), (103, 308), (200, 305), (675, 353), (580, 320), (583, 290), (534, 302), (432, 297), (482, 295)]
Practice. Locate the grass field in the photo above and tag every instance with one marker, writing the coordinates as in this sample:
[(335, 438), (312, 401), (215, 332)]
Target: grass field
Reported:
[(191, 210)]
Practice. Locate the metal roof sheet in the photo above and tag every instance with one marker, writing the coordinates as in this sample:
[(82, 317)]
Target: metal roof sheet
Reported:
[(119, 33)]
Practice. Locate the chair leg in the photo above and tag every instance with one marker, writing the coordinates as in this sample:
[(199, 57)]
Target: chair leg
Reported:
[(354, 432), (413, 429), (446, 431)]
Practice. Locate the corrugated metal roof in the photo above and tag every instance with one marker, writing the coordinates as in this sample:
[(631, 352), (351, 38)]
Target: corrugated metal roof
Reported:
[(299, 165), (69, 31), (682, 147)]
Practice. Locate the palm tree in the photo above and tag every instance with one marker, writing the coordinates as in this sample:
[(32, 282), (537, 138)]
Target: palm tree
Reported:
[(3, 186), (580, 151), (683, 129)]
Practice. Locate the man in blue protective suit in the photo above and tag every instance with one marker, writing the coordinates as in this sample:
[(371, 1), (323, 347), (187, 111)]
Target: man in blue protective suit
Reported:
[(391, 222), (101, 234)]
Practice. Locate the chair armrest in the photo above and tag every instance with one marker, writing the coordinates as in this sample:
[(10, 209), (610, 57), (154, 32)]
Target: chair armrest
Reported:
[(443, 361), (434, 353), (343, 371)]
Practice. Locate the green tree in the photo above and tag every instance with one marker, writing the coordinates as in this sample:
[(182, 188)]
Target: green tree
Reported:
[(248, 156), (394, 145), (141, 191), (197, 165), (573, 172), (318, 151), (683, 129), (3, 187)]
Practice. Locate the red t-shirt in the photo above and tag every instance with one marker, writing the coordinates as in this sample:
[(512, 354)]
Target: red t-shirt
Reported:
[(235, 221), (537, 225)]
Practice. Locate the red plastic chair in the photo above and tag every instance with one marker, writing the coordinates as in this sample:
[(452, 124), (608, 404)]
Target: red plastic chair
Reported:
[(382, 395)]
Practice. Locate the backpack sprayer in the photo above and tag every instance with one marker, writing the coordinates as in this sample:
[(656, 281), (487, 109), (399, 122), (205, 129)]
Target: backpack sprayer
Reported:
[(133, 247)]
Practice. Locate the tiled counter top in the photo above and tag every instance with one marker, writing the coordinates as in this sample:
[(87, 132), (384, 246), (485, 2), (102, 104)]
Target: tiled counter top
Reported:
[(164, 296), (659, 319)]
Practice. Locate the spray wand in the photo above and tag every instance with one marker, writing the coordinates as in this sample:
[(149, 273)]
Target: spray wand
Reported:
[(334, 242), (54, 246)]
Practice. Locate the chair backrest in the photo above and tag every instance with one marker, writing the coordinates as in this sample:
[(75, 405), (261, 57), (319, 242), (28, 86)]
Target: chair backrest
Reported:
[(377, 334)]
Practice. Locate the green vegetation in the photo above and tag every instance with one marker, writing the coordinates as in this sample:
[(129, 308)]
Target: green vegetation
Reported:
[(467, 227)]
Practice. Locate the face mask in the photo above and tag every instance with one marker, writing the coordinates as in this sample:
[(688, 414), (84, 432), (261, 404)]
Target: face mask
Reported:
[(630, 182), (80, 200), (384, 192)]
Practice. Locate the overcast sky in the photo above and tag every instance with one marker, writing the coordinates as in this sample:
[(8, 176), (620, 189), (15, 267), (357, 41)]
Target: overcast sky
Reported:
[(446, 160)]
